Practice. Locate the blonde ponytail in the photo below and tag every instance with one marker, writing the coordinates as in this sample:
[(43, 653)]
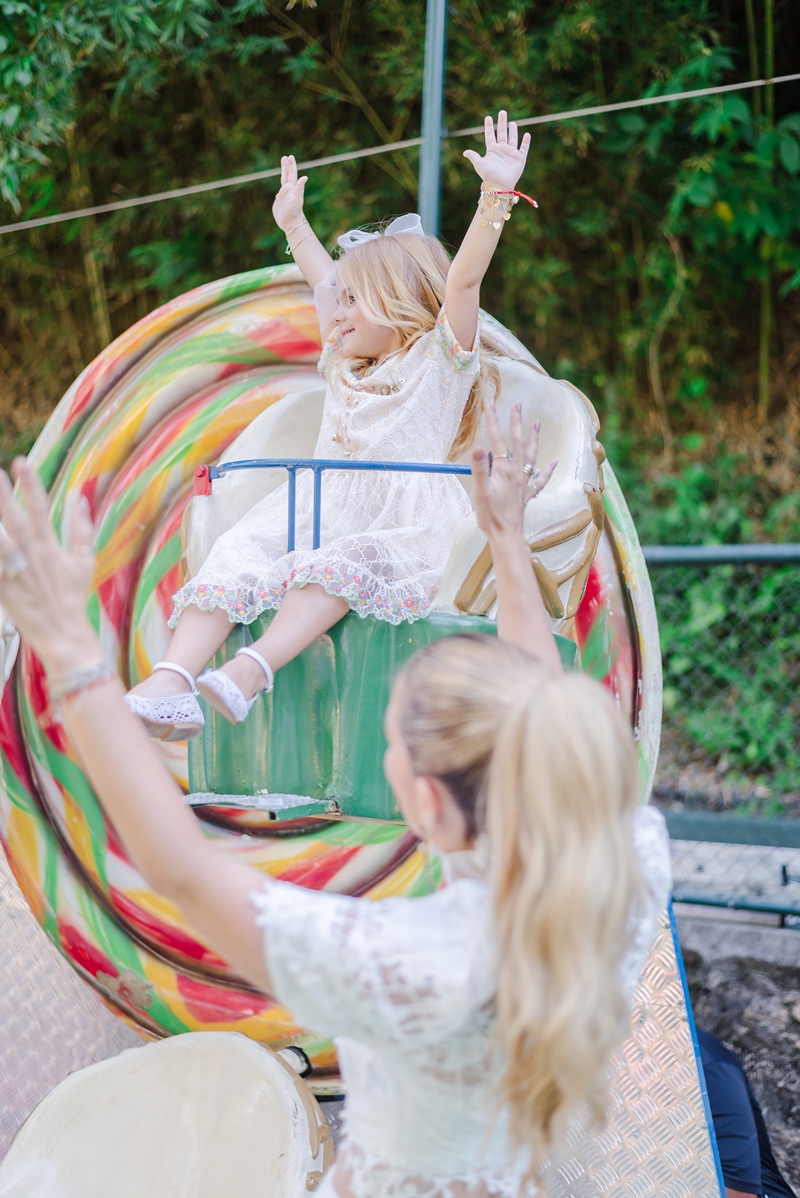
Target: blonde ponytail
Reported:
[(564, 878), (546, 764)]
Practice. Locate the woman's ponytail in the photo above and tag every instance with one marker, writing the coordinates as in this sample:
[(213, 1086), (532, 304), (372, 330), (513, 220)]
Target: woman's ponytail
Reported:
[(564, 877), (546, 764)]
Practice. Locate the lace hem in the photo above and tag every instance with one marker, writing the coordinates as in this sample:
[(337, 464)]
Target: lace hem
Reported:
[(244, 604), (370, 1177)]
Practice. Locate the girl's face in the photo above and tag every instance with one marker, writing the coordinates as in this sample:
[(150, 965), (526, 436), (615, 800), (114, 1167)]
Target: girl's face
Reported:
[(426, 804), (360, 337)]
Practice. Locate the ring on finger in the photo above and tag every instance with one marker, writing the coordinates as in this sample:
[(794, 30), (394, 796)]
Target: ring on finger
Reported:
[(15, 564), (530, 470), (497, 456)]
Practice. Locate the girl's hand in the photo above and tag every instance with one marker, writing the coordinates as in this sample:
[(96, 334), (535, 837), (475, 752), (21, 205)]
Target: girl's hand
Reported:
[(504, 160), (288, 204), (43, 586), (503, 491)]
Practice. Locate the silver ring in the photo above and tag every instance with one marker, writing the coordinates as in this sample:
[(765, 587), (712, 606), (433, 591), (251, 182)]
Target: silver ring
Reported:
[(530, 470), (497, 456), (15, 564)]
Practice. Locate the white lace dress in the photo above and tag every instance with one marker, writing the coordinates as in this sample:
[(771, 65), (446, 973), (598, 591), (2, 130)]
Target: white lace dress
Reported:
[(385, 536), (406, 988)]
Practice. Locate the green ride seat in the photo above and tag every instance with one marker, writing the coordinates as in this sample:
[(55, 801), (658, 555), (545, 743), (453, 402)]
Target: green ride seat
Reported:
[(320, 733)]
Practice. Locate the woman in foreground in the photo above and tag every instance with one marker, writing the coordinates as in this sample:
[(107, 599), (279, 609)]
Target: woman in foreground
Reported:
[(470, 1022)]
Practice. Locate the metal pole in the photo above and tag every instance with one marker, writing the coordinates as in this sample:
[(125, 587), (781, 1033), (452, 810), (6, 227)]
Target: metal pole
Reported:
[(432, 116), (292, 508)]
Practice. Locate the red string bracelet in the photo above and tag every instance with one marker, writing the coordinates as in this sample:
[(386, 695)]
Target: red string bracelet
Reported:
[(520, 196)]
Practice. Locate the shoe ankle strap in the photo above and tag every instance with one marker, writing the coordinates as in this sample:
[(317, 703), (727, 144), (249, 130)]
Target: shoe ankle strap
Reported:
[(176, 669), (248, 651)]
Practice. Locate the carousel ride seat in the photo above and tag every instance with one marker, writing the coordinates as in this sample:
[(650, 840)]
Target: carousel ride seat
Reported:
[(318, 736), (194, 1116)]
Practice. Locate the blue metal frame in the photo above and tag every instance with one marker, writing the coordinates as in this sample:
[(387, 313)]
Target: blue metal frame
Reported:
[(712, 1135), (718, 555), (318, 465)]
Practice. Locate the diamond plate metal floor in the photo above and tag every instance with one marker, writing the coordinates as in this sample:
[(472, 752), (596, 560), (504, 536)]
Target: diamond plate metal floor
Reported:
[(51, 1023)]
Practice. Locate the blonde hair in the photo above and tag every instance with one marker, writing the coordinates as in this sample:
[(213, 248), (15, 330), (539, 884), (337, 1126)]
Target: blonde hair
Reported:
[(546, 765), (399, 282)]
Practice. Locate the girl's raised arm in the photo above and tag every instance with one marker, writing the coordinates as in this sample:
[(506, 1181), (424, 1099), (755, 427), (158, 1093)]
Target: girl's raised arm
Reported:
[(44, 588), (307, 250), (499, 169)]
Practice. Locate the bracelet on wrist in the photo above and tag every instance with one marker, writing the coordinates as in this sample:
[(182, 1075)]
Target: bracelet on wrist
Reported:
[(71, 683), (495, 205), (287, 232), (290, 249)]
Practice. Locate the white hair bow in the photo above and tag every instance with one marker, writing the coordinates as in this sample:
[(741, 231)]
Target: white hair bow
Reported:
[(410, 223)]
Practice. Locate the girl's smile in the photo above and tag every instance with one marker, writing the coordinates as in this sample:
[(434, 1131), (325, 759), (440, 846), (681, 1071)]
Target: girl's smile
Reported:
[(361, 337)]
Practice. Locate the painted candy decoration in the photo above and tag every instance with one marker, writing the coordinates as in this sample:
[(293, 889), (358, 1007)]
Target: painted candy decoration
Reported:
[(170, 394)]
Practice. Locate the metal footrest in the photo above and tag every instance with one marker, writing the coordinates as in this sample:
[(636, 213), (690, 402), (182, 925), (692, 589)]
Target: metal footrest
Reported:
[(274, 806)]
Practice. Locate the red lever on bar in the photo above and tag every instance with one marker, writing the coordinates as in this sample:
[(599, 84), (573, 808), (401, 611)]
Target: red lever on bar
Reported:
[(202, 481)]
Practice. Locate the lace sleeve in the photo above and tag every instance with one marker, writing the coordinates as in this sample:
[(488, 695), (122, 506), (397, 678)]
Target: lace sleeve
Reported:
[(651, 842), (388, 972), (445, 350)]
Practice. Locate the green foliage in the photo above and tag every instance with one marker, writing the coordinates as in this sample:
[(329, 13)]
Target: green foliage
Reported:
[(132, 96), (732, 666)]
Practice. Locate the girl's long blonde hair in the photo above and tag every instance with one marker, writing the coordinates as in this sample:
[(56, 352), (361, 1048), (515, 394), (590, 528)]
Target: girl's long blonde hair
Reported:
[(546, 765), (399, 282)]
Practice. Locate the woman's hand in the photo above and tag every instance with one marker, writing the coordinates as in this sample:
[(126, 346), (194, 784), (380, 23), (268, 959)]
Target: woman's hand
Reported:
[(287, 207), (503, 491), (43, 586), (501, 496), (504, 160)]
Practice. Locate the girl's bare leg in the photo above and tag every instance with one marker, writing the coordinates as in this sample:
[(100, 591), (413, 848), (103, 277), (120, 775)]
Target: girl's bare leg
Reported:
[(195, 641), (303, 616)]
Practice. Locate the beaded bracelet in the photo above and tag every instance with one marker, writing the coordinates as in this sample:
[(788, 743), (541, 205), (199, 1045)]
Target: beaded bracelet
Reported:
[(83, 678)]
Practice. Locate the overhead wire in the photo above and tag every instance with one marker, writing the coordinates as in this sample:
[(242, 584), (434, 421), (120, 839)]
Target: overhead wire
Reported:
[(570, 114)]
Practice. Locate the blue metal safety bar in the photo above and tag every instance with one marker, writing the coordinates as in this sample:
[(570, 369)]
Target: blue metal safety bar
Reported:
[(318, 465)]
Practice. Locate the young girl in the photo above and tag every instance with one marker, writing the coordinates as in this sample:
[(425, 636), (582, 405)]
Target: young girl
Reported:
[(401, 362), (468, 1023)]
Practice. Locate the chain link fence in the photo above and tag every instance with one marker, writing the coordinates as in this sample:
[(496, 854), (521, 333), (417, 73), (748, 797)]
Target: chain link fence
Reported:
[(729, 621)]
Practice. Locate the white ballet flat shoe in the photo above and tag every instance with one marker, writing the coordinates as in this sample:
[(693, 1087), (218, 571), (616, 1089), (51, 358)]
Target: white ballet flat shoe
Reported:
[(170, 717), (222, 693)]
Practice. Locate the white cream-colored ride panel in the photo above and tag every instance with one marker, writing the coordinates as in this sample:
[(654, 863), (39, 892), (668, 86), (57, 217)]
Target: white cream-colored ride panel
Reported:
[(567, 435), (195, 1116)]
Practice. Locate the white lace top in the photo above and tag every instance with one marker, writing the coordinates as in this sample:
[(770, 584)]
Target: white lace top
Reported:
[(406, 987), (385, 537)]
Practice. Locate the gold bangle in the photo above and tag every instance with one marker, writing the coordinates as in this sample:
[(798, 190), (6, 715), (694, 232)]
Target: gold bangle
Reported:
[(302, 221), (291, 249)]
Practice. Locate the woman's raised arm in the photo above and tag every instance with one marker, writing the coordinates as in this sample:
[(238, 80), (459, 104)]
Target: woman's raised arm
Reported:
[(499, 169), (43, 587), (503, 490)]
